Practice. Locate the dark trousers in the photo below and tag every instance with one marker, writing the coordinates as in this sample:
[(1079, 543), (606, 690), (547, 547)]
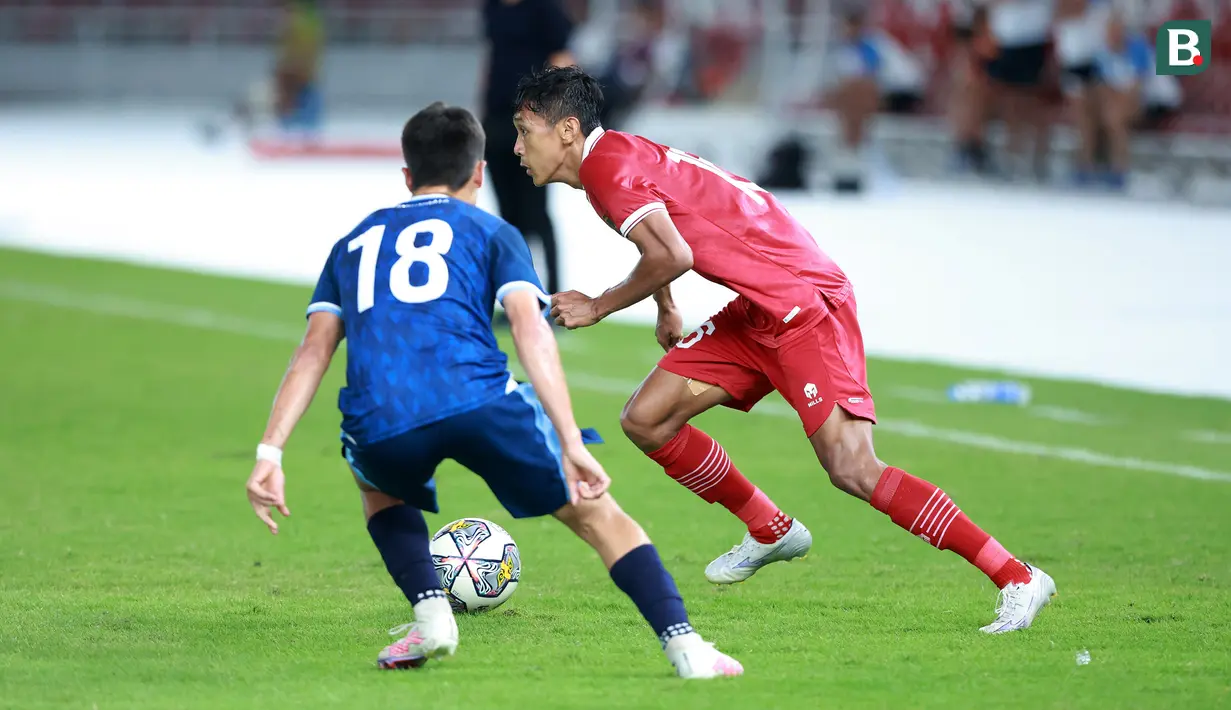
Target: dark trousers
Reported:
[(521, 203)]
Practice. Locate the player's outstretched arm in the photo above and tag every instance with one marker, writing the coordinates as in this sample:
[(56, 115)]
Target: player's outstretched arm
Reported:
[(266, 485), (539, 356), (665, 257), (303, 376)]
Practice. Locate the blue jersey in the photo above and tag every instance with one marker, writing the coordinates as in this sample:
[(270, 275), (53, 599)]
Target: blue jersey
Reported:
[(415, 286), (1123, 69), (859, 57)]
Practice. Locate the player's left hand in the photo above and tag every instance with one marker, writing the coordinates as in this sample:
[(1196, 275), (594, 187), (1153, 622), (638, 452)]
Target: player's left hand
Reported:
[(585, 475), (266, 490), (670, 328), (574, 309)]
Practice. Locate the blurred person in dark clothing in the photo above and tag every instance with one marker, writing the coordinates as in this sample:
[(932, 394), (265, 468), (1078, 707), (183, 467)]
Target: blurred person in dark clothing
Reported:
[(522, 36)]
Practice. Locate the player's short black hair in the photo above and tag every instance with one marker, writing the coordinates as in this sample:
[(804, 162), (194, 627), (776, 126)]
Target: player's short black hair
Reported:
[(441, 145), (555, 93)]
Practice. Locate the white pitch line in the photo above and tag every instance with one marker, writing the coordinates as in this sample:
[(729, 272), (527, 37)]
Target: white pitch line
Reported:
[(106, 304), (914, 393), (1209, 437), (125, 307), (1065, 415)]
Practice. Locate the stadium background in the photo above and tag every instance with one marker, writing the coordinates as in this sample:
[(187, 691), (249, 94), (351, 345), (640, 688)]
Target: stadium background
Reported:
[(118, 140)]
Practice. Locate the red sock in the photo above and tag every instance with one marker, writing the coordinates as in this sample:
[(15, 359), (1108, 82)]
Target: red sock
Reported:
[(924, 510), (700, 464)]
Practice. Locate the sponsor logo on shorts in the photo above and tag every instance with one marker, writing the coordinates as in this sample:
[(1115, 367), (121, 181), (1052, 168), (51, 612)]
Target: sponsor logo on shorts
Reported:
[(855, 400), (811, 393)]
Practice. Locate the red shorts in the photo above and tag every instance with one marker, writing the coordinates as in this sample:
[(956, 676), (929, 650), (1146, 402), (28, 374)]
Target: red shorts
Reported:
[(813, 372)]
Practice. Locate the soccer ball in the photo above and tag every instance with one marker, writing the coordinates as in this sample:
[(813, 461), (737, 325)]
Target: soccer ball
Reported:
[(477, 562)]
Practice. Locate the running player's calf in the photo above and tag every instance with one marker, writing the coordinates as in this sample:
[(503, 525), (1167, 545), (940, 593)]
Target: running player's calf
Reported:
[(637, 570), (656, 420), (844, 446)]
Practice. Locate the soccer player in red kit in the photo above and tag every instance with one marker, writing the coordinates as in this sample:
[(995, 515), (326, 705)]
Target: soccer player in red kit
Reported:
[(792, 328)]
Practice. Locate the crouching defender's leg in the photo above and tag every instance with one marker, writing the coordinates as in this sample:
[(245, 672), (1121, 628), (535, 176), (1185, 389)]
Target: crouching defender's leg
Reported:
[(401, 535), (521, 463), (638, 571)]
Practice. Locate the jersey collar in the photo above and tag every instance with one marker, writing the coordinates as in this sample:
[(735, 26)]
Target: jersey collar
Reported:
[(591, 140), (427, 196)]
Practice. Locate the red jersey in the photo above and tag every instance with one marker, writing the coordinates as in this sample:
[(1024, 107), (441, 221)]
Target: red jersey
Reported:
[(741, 236)]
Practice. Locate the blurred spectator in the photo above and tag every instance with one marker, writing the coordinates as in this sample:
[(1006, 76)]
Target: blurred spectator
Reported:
[(298, 103), (855, 98), (1123, 65), (1021, 30), (1161, 99), (522, 35), (896, 31), (969, 88), (717, 38), (630, 68), (901, 78), (1081, 36)]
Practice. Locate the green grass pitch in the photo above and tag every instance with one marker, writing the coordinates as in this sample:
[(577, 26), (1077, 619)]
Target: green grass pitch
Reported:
[(134, 575)]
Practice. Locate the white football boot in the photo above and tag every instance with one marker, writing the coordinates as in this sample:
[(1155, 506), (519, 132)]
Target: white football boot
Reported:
[(694, 658), (432, 634), (749, 556), (1019, 603)]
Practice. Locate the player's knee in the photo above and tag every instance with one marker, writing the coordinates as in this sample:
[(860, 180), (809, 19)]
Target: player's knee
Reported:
[(843, 445), (588, 517), (604, 526), (852, 467), (856, 473), (646, 426), (374, 500)]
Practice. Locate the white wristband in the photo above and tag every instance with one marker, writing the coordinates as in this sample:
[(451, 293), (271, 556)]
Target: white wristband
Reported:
[(265, 452)]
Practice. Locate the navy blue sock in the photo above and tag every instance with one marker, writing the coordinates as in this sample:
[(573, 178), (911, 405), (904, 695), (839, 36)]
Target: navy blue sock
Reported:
[(640, 574), (400, 533)]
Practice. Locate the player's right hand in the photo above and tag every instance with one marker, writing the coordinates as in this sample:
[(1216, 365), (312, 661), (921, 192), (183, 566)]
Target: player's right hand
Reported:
[(670, 328), (585, 475), (266, 490)]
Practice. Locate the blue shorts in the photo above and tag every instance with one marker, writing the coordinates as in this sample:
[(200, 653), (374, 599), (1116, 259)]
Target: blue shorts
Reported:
[(510, 443)]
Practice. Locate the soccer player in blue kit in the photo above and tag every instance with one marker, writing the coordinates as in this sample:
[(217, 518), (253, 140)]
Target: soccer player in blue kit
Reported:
[(411, 290)]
